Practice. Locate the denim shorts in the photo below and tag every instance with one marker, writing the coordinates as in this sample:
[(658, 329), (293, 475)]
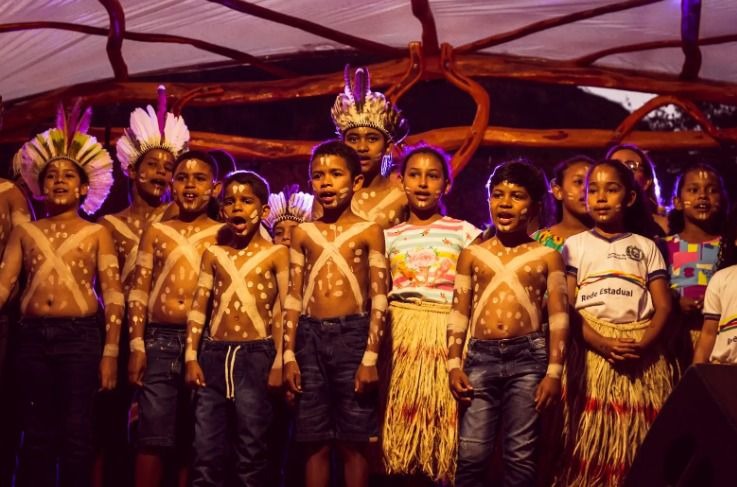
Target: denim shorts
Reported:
[(163, 402), (328, 354)]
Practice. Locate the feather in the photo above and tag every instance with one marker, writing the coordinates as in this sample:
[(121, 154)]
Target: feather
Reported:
[(161, 109), (84, 122), (360, 87)]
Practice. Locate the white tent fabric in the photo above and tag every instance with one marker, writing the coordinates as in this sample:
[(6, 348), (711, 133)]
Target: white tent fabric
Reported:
[(39, 60)]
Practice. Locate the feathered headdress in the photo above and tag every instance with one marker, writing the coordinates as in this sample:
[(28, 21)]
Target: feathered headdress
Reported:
[(289, 204), (70, 141), (358, 106), (151, 129)]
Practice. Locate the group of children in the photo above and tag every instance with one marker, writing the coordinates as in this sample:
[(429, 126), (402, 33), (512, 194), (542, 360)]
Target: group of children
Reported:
[(382, 320)]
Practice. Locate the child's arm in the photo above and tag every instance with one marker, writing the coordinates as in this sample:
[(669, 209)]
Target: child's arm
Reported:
[(11, 265), (460, 385), (20, 212), (108, 273), (367, 374), (662, 302), (549, 389), (196, 319), (281, 271), (706, 342), (292, 310), (138, 306)]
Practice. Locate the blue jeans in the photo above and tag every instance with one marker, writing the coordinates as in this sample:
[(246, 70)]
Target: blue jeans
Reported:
[(163, 401), (328, 354), (504, 375), (57, 362), (233, 413)]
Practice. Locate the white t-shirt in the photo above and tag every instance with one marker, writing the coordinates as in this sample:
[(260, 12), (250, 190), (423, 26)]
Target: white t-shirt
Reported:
[(720, 303), (612, 274)]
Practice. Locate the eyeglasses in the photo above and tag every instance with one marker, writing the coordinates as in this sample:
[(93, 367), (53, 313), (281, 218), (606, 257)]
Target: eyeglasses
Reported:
[(634, 166)]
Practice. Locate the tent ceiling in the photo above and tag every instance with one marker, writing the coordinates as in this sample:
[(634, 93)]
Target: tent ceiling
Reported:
[(34, 61)]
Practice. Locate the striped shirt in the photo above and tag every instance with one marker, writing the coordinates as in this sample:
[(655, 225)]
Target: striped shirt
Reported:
[(612, 274), (423, 258), (720, 304)]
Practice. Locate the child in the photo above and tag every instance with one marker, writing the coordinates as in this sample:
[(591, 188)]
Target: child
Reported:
[(366, 121), (57, 350), (569, 190), (163, 286), (618, 284), (718, 343), (240, 358), (419, 432), (146, 151), (510, 371), (643, 170), (337, 265), (287, 209), (694, 251)]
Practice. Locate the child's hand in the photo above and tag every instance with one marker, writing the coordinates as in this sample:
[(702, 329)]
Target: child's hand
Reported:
[(136, 367), (460, 387), (618, 349), (292, 377), (689, 305), (108, 373), (547, 393), (366, 379), (276, 379), (193, 375)]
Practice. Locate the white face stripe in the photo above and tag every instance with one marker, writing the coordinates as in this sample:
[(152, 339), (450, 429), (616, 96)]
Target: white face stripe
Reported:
[(237, 281), (507, 273), (332, 249), (381, 207), (54, 261), (185, 248)]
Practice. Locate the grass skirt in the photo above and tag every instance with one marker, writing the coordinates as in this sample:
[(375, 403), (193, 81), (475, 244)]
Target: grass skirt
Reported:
[(610, 408), (421, 418)]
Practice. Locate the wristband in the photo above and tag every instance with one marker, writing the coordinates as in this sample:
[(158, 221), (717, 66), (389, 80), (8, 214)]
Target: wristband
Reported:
[(369, 359), (137, 345), (190, 356), (289, 356), (110, 350), (555, 371), (453, 363)]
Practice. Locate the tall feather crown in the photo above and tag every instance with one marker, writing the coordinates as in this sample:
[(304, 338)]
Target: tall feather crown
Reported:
[(358, 106), (68, 140), (289, 204), (151, 129)]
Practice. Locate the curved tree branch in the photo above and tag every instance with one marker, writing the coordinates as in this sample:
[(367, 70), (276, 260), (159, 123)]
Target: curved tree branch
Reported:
[(115, 38), (421, 9), (690, 20), (589, 59), (310, 27), (233, 54), (496, 39)]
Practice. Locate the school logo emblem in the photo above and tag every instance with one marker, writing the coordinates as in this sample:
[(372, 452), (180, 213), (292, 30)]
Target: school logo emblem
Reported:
[(634, 253)]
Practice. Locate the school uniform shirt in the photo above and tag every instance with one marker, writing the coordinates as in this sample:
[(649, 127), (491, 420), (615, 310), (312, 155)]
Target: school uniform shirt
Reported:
[(423, 258), (612, 274), (720, 304)]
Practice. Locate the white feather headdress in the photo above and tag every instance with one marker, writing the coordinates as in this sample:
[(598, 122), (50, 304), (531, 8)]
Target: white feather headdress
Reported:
[(70, 141), (358, 106), (151, 129), (289, 204)]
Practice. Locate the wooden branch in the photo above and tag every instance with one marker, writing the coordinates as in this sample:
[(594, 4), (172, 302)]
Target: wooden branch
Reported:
[(589, 59), (450, 139), (115, 38), (415, 68), (480, 96), (496, 39), (430, 45), (233, 54), (629, 123), (28, 112), (690, 20), (310, 27)]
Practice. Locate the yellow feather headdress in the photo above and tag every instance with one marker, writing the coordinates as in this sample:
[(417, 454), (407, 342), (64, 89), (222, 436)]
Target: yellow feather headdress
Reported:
[(68, 140), (358, 106)]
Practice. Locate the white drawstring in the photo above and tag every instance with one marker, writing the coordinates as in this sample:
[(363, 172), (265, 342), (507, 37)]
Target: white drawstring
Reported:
[(229, 366)]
